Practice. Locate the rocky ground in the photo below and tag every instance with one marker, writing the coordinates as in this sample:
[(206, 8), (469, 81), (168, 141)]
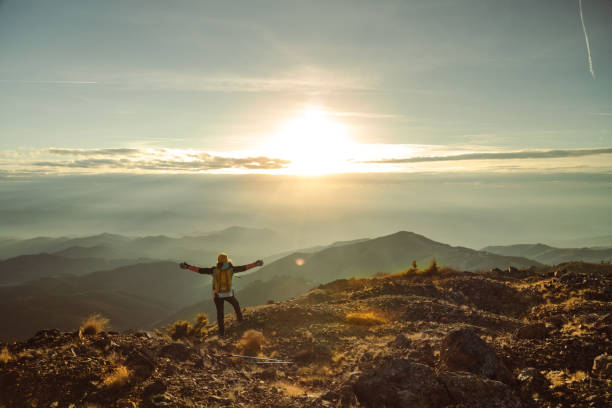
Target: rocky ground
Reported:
[(534, 338)]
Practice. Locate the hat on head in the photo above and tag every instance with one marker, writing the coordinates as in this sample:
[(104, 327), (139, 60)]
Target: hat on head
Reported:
[(222, 257)]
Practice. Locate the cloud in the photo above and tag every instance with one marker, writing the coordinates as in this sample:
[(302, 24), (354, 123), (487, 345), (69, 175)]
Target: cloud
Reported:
[(306, 80), (49, 82), (203, 163), (93, 152), (524, 154)]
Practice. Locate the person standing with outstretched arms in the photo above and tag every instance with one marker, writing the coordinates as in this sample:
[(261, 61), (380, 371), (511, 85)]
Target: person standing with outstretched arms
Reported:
[(223, 288)]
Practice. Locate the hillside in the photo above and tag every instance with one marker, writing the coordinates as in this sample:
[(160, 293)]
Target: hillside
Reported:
[(27, 267), (391, 253), (53, 292), (552, 256), (134, 296), (529, 338)]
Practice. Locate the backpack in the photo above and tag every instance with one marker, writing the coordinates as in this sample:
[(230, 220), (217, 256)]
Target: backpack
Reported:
[(222, 279)]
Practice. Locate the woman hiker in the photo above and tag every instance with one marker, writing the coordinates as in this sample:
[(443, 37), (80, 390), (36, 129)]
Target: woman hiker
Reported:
[(223, 289)]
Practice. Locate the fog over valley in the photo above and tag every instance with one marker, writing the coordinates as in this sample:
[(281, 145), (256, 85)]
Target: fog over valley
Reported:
[(474, 210)]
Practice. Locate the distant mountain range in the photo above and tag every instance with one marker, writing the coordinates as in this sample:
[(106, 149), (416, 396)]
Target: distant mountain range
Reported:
[(64, 289), (391, 253), (244, 243), (551, 256), (603, 241), (28, 267)]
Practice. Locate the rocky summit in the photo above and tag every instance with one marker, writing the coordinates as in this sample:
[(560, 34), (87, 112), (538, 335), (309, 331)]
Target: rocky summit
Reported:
[(443, 338)]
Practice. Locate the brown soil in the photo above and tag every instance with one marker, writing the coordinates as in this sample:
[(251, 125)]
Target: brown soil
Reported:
[(531, 336)]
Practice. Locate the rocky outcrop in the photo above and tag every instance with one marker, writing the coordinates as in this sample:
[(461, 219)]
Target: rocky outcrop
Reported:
[(464, 350), (405, 383), (477, 392), (401, 383)]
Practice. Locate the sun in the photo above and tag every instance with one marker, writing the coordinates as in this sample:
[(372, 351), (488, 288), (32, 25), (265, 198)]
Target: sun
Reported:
[(313, 142)]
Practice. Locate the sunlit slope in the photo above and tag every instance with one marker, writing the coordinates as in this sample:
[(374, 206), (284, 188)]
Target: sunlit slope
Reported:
[(391, 253)]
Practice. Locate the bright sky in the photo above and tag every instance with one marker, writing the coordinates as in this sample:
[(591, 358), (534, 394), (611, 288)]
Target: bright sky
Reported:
[(302, 87)]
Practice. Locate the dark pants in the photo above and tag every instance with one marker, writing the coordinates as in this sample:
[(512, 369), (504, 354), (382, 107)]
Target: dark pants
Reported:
[(219, 304)]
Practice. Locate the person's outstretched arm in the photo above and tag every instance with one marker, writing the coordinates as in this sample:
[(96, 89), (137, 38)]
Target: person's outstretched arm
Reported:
[(204, 271), (242, 268)]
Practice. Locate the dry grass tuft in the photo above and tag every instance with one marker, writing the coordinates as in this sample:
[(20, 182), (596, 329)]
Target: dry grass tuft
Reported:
[(118, 378), (251, 342), (559, 378), (290, 390), (6, 356), (365, 319), (180, 329), (94, 324)]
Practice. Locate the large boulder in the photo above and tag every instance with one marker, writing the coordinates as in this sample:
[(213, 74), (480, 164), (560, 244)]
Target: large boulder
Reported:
[(406, 383), (464, 350), (476, 392), (401, 383)]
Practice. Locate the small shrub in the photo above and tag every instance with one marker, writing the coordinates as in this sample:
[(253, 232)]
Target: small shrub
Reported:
[(201, 320), (180, 329), (118, 378), (251, 342), (199, 328), (365, 319), (94, 324), (433, 267), (5, 355)]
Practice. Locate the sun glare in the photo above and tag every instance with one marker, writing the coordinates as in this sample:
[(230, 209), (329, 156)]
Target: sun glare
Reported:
[(314, 142)]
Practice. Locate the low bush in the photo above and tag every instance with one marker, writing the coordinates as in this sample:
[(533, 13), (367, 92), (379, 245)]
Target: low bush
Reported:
[(93, 324), (251, 342), (432, 268), (180, 329), (118, 378)]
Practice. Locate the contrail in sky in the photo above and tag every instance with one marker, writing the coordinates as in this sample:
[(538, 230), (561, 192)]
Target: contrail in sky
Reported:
[(586, 38)]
